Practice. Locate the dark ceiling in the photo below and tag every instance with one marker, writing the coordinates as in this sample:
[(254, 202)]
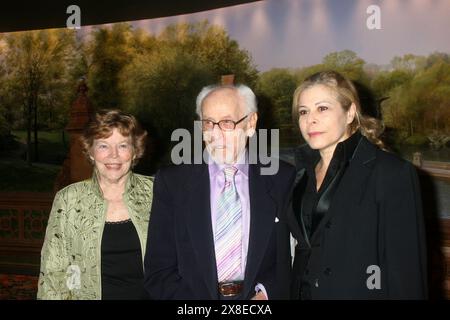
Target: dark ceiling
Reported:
[(30, 15)]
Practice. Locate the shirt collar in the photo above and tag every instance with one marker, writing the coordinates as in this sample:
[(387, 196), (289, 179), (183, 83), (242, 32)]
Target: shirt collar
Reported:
[(241, 165)]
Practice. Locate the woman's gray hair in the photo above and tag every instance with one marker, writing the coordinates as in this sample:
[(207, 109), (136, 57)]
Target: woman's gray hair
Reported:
[(245, 92)]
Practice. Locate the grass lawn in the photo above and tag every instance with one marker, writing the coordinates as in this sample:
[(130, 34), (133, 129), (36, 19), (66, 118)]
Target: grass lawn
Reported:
[(18, 176), (52, 148)]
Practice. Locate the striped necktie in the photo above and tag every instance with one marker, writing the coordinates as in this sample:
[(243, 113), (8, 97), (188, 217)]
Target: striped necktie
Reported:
[(228, 234)]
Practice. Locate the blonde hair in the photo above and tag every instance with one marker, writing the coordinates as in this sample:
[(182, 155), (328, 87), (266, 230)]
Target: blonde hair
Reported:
[(346, 95), (102, 124)]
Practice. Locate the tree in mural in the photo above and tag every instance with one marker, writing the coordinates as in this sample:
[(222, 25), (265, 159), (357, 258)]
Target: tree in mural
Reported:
[(211, 45), (165, 74), (419, 97), (36, 69), (278, 85), (108, 53)]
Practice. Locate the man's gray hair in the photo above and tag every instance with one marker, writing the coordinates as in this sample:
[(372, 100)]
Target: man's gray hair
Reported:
[(245, 92)]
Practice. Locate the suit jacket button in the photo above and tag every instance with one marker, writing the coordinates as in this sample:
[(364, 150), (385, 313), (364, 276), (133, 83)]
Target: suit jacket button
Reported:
[(328, 225), (327, 271)]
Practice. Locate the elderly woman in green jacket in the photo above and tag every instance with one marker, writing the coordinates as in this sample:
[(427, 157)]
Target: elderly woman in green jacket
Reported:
[(97, 230)]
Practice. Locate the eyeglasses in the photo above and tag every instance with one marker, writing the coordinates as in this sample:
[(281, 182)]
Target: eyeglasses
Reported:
[(224, 125)]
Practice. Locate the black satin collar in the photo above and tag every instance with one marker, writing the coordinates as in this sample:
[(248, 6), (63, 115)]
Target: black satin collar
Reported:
[(307, 157)]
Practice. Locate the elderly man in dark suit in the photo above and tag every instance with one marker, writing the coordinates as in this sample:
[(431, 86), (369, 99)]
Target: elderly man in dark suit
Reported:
[(218, 229)]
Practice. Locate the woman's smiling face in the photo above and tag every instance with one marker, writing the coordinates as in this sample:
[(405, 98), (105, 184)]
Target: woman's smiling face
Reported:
[(113, 156)]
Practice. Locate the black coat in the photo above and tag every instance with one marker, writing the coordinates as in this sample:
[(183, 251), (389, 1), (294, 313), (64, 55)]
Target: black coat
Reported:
[(374, 219), (180, 259)]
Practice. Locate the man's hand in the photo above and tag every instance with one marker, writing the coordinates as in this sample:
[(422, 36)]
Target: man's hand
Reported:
[(259, 296)]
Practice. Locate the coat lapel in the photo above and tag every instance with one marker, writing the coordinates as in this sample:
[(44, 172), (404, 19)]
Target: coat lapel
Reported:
[(263, 210), (354, 180), (200, 226), (293, 222)]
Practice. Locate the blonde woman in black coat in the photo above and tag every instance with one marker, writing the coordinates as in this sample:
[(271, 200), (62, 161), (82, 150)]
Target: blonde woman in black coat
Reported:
[(356, 209)]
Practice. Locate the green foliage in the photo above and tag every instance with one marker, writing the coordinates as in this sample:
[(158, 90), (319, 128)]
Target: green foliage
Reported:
[(38, 66), (212, 46), (162, 88), (116, 54), (348, 63), (409, 62), (278, 85), (36, 82), (165, 74), (422, 101), (304, 73), (386, 81), (345, 62), (157, 78), (416, 140), (110, 51)]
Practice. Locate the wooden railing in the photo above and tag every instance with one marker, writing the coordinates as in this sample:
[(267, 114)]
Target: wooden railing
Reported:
[(23, 221), (437, 164), (437, 169)]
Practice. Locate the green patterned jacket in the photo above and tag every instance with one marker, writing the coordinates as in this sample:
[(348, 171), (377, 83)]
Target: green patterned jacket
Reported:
[(70, 257)]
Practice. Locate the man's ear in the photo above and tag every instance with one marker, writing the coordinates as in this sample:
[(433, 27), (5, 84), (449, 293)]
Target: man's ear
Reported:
[(251, 128)]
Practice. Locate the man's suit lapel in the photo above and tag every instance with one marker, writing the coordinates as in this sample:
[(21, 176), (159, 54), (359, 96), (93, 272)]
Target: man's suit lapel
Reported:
[(262, 219), (200, 226)]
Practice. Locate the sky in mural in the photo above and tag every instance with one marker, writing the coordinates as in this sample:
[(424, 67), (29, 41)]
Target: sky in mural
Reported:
[(297, 33)]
